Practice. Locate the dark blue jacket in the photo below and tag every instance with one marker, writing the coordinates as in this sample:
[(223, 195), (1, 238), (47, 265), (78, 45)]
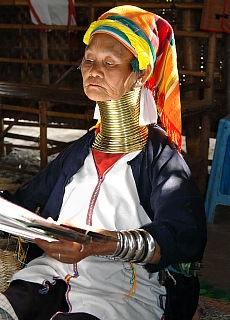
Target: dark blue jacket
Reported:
[(164, 184)]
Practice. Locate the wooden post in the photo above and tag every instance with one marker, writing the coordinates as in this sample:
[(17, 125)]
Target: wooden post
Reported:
[(2, 153), (92, 14), (190, 63), (227, 73), (192, 124), (43, 133), (45, 56), (208, 96), (43, 121)]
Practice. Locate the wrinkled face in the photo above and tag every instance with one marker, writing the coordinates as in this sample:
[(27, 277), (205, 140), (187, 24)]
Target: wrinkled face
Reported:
[(106, 70)]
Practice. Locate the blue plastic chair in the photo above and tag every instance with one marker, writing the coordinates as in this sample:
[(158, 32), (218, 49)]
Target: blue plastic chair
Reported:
[(218, 192)]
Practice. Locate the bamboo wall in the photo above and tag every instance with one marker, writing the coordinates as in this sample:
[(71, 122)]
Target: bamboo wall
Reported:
[(32, 54), (26, 49)]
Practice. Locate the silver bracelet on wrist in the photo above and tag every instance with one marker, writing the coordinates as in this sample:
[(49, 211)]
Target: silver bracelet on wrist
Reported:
[(132, 246), (151, 247), (119, 244), (136, 246), (140, 250)]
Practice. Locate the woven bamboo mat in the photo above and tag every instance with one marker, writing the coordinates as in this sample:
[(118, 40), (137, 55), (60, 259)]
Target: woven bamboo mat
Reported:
[(8, 261)]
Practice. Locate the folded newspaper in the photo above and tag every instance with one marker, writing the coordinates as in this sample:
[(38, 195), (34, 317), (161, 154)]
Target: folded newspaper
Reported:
[(21, 222)]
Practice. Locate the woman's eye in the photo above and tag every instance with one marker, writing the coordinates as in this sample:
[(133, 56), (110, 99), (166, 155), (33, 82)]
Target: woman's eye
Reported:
[(110, 64)]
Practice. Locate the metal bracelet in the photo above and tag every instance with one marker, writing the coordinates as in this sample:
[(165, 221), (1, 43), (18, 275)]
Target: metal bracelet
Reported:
[(151, 247), (140, 248), (136, 246), (119, 244), (132, 246), (125, 247)]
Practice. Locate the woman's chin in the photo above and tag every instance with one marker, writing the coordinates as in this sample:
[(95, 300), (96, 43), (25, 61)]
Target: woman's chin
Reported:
[(96, 96)]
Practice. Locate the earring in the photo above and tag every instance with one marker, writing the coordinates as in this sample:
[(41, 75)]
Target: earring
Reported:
[(138, 83)]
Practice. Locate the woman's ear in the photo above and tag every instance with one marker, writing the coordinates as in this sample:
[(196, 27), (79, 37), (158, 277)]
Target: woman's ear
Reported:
[(144, 74)]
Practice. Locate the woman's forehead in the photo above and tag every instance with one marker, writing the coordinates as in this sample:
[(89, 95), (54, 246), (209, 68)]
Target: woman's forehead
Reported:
[(105, 42)]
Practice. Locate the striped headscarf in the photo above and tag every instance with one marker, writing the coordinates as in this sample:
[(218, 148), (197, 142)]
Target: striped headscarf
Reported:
[(151, 39)]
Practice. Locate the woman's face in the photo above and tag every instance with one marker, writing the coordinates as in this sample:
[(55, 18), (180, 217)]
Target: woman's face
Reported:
[(106, 70)]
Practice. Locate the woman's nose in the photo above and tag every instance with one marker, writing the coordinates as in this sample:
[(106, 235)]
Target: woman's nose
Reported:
[(96, 70)]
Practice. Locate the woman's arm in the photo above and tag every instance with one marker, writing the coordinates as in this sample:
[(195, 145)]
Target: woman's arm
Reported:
[(73, 252)]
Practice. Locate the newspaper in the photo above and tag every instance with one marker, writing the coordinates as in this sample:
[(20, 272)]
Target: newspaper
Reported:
[(23, 223)]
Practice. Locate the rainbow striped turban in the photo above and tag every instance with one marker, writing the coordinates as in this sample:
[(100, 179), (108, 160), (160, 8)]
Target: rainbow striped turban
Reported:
[(151, 40)]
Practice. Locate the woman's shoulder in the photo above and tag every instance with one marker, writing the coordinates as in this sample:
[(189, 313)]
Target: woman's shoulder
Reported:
[(158, 138), (84, 142), (73, 156)]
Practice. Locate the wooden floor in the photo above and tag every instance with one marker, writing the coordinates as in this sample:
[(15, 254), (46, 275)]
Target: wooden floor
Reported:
[(217, 253), (215, 272)]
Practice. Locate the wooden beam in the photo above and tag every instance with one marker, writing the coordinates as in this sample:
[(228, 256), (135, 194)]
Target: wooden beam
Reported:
[(195, 34), (196, 73), (110, 4), (40, 61), (19, 26), (4, 106), (49, 113), (189, 108), (43, 124), (67, 115), (66, 95), (41, 27)]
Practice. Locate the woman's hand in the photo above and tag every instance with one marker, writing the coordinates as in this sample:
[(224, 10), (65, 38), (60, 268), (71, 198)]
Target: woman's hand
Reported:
[(73, 252)]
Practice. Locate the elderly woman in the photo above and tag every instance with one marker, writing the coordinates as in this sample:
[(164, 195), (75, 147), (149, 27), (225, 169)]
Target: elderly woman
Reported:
[(125, 177)]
